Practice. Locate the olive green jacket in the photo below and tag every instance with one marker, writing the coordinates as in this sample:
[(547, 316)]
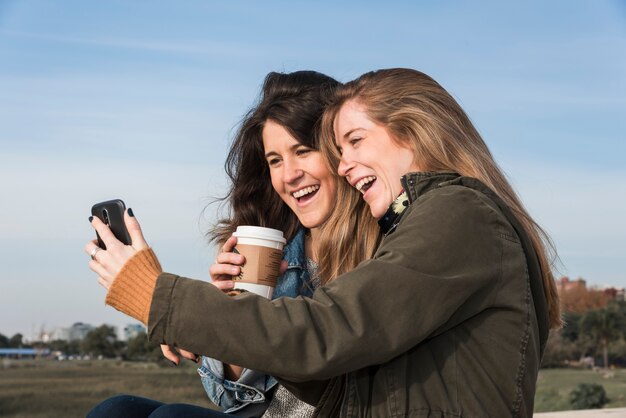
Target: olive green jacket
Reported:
[(447, 320)]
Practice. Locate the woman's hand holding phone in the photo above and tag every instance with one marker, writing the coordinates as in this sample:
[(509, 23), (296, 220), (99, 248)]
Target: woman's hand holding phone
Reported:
[(108, 263), (109, 255)]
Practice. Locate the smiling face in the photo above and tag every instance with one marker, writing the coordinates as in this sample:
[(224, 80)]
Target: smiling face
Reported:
[(371, 160), (299, 176)]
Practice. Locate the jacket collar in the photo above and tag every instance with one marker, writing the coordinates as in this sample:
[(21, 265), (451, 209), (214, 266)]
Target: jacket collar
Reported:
[(416, 184), (294, 250)]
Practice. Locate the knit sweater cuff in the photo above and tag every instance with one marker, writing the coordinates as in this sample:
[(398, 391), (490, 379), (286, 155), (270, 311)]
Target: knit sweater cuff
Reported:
[(132, 289)]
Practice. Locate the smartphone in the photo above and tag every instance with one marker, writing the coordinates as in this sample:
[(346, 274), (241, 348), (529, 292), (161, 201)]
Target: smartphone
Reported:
[(111, 213)]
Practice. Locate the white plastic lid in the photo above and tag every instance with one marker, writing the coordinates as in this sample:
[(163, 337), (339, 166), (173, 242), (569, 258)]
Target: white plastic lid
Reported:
[(260, 233)]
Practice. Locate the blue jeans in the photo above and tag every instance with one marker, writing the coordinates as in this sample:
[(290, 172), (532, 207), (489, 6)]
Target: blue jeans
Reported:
[(127, 406)]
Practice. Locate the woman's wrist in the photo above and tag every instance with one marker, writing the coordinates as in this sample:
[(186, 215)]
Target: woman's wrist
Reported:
[(132, 289)]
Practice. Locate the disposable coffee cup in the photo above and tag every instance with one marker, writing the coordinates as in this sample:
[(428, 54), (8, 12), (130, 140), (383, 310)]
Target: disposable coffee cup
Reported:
[(263, 249)]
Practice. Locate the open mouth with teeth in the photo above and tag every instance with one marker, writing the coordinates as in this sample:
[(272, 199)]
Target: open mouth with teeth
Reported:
[(365, 183), (305, 194)]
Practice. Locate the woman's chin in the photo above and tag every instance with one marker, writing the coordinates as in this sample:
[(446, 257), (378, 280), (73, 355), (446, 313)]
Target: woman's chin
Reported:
[(376, 212)]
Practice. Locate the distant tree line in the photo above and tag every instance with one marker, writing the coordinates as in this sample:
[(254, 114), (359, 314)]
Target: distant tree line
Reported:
[(594, 331), (15, 341), (101, 342)]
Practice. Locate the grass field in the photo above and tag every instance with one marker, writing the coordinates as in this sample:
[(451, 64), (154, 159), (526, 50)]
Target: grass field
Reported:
[(554, 386), (42, 389)]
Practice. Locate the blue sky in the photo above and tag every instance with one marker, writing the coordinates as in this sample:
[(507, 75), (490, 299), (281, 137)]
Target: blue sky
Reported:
[(139, 99)]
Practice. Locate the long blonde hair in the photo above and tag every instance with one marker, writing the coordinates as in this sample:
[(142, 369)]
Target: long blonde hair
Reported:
[(417, 111), (349, 235)]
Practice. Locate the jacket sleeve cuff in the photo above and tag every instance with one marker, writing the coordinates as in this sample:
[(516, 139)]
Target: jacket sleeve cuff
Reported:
[(159, 309), (132, 289)]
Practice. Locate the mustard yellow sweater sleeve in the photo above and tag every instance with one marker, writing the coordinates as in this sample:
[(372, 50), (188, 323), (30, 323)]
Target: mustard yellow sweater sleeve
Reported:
[(132, 289)]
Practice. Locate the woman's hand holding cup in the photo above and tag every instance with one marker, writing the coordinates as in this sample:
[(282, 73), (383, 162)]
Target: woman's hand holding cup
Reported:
[(227, 265)]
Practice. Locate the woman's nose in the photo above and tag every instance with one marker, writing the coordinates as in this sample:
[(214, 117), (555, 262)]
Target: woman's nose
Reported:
[(291, 172), (345, 166)]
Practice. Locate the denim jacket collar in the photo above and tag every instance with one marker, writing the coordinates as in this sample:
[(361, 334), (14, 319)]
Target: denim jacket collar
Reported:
[(294, 250), (295, 281)]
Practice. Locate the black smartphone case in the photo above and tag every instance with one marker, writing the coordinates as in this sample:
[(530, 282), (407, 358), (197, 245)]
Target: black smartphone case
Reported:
[(111, 213)]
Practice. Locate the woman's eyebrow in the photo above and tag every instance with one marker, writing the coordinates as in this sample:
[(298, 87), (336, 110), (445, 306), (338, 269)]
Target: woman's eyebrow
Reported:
[(291, 148), (350, 132)]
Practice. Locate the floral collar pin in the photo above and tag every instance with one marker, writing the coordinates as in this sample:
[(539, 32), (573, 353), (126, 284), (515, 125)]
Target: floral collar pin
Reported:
[(393, 215)]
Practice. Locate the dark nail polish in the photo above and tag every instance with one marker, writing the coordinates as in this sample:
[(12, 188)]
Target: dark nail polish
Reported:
[(173, 362), (90, 219), (130, 212)]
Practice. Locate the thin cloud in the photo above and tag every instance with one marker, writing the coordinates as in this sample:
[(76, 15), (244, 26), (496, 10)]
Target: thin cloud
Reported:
[(221, 48)]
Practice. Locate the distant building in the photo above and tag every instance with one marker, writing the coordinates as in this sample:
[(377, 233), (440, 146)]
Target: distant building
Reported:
[(564, 284), (575, 296), (60, 334), (615, 293), (77, 331), (132, 330)]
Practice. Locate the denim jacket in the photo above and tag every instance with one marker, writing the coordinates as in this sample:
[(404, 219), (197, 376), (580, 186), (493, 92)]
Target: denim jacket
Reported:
[(251, 387)]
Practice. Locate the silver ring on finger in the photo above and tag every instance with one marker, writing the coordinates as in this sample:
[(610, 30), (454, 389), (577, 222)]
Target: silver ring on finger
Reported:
[(94, 252)]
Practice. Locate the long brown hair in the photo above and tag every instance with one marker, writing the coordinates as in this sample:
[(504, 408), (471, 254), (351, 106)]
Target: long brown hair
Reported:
[(417, 111), (295, 101)]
